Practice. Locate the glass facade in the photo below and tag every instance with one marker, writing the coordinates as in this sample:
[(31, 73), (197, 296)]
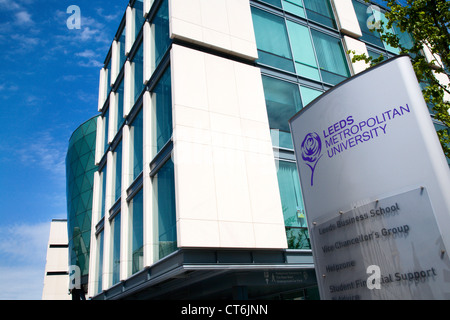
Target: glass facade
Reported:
[(80, 169), (115, 249), (136, 212), (300, 56)]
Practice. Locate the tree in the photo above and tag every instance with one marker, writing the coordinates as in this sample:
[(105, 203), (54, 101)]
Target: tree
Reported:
[(427, 21)]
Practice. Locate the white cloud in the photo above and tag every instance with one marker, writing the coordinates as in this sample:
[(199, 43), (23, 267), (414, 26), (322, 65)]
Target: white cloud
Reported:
[(23, 18), (23, 251)]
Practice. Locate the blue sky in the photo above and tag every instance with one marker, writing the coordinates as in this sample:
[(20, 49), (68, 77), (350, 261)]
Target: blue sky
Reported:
[(48, 87)]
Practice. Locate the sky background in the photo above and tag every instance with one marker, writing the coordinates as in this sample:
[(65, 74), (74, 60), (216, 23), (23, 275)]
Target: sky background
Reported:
[(48, 86)]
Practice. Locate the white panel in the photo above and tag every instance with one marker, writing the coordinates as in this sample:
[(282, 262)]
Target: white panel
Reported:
[(114, 62), (127, 92), (436, 60), (129, 32), (99, 141), (359, 47), (346, 18), (102, 89), (148, 52), (220, 182), (224, 25), (58, 232)]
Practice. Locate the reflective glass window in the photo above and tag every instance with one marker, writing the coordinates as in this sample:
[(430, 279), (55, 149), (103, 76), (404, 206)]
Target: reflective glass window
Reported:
[(136, 210), (137, 136), (162, 99), (160, 24), (120, 118), (165, 202), (320, 11), (302, 48), (118, 171), (272, 40), (331, 57), (122, 56), (276, 3), (138, 70), (139, 16), (282, 101), (105, 130), (99, 263), (295, 7), (103, 191), (115, 249), (363, 13), (309, 94), (292, 204)]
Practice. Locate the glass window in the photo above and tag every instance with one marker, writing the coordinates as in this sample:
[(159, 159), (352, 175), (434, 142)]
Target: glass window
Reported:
[(272, 40), (122, 56), (120, 118), (115, 249), (103, 192), (292, 204), (162, 97), (160, 24), (302, 48), (118, 173), (320, 11), (294, 7), (363, 13), (165, 202), (105, 130), (282, 102), (331, 57), (137, 136), (108, 77), (136, 210), (139, 16), (138, 70), (100, 262), (309, 94)]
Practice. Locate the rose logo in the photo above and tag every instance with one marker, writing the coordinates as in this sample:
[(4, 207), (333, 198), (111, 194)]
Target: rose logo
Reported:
[(311, 152)]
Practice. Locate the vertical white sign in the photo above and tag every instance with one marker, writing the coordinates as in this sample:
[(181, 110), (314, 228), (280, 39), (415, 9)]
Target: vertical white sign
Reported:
[(376, 187)]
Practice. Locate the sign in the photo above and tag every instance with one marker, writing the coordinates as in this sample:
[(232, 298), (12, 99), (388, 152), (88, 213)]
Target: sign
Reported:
[(376, 188)]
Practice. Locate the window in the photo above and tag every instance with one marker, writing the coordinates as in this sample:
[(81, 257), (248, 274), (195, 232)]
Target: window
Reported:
[(272, 40), (122, 56), (282, 101), (136, 212), (105, 130), (302, 48), (292, 204), (162, 99), (164, 196), (103, 191), (115, 248), (120, 101), (295, 7), (137, 138), (118, 171), (363, 13), (138, 72), (320, 11), (160, 24), (99, 262), (139, 16), (331, 58)]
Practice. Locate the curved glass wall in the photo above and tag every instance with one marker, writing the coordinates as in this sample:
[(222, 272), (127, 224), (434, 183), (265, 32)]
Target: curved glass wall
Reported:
[(80, 168)]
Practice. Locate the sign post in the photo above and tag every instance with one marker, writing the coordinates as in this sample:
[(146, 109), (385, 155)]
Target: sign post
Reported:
[(376, 188)]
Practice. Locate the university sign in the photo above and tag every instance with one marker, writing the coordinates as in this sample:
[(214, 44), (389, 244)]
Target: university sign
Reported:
[(375, 184)]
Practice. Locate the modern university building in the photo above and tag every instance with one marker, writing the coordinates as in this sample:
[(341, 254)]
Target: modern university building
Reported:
[(196, 193)]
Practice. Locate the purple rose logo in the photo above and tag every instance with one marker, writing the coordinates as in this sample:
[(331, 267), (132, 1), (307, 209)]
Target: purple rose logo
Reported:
[(311, 152)]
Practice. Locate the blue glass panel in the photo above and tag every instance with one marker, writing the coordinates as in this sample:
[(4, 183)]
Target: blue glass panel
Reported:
[(309, 94), (320, 11), (118, 173), (100, 263), (272, 40), (161, 31), (363, 13), (103, 192), (137, 232), (116, 249), (167, 231), (120, 118), (282, 102), (138, 63), (139, 16), (122, 56), (294, 7), (331, 57), (163, 97), (137, 129), (105, 130)]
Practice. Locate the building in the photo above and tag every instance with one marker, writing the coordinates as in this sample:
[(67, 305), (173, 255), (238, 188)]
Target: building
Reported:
[(80, 168), (197, 193), (56, 279)]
